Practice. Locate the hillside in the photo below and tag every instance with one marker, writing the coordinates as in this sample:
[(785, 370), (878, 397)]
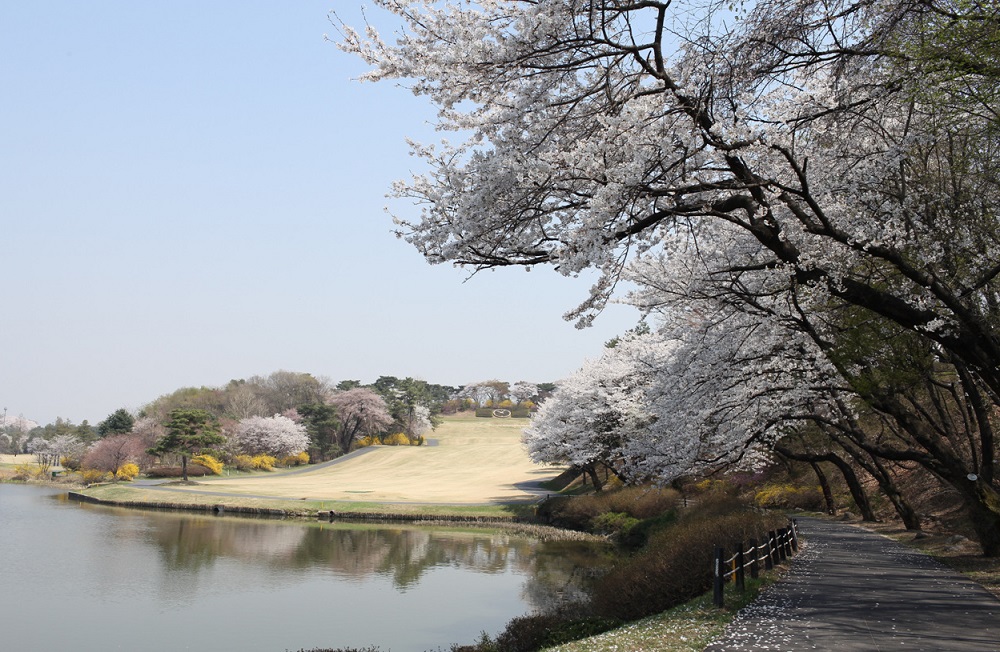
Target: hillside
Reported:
[(474, 460)]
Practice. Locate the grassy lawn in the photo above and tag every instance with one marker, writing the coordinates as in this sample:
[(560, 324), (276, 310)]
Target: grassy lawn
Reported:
[(125, 493), (477, 465)]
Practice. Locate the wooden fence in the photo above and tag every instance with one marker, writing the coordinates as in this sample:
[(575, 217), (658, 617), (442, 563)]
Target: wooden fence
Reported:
[(777, 547)]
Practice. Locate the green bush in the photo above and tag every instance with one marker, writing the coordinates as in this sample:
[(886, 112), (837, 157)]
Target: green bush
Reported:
[(542, 630), (612, 523), (484, 412), (579, 512), (676, 564)]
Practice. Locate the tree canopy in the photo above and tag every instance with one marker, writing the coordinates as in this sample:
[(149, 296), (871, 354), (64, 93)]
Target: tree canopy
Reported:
[(118, 422), (812, 223), (188, 433)]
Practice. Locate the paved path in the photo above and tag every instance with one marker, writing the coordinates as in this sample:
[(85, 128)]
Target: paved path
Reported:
[(851, 589)]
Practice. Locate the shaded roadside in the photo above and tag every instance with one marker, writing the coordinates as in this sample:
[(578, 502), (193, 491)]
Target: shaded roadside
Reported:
[(851, 589)]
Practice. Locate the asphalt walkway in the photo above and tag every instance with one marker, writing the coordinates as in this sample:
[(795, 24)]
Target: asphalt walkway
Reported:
[(850, 589)]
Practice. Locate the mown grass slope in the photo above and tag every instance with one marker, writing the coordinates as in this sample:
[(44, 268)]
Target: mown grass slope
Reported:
[(476, 460)]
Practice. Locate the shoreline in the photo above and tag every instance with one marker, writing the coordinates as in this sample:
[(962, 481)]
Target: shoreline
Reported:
[(424, 514)]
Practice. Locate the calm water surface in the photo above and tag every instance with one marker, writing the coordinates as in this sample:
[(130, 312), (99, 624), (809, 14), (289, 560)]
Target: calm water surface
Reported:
[(83, 577)]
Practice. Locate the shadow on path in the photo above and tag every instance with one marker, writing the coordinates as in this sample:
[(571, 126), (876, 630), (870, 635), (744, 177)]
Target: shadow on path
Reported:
[(851, 589)]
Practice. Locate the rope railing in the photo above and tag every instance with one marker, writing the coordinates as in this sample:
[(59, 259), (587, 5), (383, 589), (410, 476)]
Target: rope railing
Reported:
[(777, 547)]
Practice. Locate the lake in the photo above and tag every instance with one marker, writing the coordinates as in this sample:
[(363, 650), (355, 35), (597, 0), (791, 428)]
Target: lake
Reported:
[(84, 577)]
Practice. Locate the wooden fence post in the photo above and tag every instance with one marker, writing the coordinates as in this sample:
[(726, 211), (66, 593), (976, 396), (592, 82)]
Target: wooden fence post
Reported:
[(740, 575), (755, 556), (795, 536), (773, 547), (719, 577)]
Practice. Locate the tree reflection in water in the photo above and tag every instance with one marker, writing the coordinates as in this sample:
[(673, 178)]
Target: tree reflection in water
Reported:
[(556, 571)]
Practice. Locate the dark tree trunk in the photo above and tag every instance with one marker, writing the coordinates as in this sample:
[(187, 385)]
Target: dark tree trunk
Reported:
[(184, 466), (825, 486), (909, 516), (854, 485), (983, 503), (850, 477), (591, 470)]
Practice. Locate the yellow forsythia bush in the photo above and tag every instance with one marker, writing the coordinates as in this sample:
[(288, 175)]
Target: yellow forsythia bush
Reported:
[(127, 472), (25, 471), (90, 476), (264, 462), (295, 460), (788, 496), (397, 439), (708, 484), (366, 441), (209, 462), (243, 463)]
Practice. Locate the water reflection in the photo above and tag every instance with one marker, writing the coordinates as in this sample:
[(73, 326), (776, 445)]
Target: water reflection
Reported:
[(555, 571), (261, 585)]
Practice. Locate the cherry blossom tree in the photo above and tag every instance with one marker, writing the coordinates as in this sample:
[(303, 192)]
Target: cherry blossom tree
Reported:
[(277, 435), (361, 412), (522, 391), (827, 190), (593, 416), (485, 393), (112, 451), (420, 422)]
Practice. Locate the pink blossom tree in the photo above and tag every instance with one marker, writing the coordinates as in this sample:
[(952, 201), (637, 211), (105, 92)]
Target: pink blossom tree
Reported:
[(112, 451)]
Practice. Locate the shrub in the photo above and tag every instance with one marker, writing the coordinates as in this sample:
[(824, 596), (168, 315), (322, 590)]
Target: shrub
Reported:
[(579, 512), (128, 472), (263, 462), (194, 470), (26, 472), (612, 523), (397, 439), (243, 462), (295, 460), (676, 564), (70, 463), (342, 649), (367, 440), (711, 485), (541, 631), (209, 462), (789, 496), (92, 476), (484, 412)]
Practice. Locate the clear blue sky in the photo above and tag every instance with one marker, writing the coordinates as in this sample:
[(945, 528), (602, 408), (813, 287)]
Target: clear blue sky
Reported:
[(192, 192)]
